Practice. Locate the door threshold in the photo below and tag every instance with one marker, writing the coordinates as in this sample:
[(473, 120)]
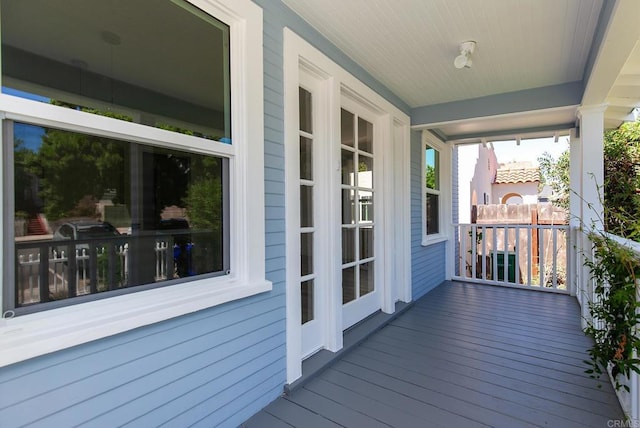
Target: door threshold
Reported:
[(353, 336)]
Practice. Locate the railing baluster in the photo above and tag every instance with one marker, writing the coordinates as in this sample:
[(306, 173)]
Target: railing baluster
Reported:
[(463, 251), (494, 258), (484, 252), (505, 259), (474, 252), (541, 258), (555, 257), (93, 268), (530, 232), (111, 266), (517, 256), (43, 277)]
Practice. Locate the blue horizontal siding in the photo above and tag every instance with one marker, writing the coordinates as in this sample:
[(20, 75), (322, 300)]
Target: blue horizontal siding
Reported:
[(428, 263), (215, 367), (167, 360)]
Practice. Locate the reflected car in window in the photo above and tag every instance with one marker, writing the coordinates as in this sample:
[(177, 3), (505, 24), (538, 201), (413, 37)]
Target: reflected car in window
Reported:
[(83, 231)]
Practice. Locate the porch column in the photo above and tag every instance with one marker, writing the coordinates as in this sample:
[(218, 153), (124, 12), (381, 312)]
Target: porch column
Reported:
[(574, 267), (591, 164), (592, 161)]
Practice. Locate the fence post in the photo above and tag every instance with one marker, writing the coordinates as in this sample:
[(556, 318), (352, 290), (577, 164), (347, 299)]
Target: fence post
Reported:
[(535, 259)]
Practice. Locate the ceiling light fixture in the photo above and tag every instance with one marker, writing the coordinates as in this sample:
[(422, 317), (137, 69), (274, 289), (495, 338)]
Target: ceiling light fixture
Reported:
[(633, 115), (464, 59)]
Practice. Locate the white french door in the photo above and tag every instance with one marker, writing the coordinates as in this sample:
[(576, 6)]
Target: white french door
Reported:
[(359, 231), (312, 282), (346, 202)]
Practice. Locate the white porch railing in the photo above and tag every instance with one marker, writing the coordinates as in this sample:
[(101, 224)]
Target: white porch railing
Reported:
[(629, 400), (530, 256)]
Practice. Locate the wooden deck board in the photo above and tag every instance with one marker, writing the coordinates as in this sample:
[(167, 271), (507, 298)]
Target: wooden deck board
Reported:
[(463, 355), (338, 412), (401, 400), (491, 369)]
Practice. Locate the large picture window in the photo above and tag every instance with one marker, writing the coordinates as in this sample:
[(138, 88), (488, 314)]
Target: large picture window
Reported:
[(93, 214), (124, 167)]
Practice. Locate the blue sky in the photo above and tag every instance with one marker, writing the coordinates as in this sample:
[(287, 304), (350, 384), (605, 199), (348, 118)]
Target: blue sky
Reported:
[(529, 150), (31, 135)]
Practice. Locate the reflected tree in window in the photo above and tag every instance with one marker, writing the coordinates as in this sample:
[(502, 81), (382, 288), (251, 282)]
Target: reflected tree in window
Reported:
[(75, 170)]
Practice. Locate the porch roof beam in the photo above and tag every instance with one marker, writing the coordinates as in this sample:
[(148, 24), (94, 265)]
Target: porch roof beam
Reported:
[(566, 94), (512, 134)]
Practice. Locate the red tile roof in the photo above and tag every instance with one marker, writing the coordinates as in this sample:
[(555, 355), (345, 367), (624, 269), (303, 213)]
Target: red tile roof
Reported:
[(506, 175)]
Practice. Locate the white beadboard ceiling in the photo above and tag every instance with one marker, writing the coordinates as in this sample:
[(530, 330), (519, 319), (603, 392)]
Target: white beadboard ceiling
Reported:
[(410, 45)]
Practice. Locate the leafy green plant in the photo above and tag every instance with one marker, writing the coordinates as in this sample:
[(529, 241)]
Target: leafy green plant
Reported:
[(613, 310)]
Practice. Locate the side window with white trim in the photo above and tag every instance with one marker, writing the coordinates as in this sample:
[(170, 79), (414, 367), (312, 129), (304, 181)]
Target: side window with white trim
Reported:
[(432, 190), (436, 190)]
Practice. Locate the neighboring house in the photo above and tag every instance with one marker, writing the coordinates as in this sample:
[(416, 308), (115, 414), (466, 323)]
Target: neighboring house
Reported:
[(516, 183), (297, 135), (477, 166)]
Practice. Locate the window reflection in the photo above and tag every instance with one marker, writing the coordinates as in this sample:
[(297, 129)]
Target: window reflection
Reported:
[(159, 63), (108, 214)]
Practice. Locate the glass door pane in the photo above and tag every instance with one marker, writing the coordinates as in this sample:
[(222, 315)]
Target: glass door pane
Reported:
[(307, 195), (357, 189)]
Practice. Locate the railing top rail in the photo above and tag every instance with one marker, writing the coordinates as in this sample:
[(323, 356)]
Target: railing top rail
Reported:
[(513, 225), (632, 245)]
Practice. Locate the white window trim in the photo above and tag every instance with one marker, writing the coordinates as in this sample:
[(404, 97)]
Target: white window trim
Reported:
[(444, 199), (48, 331)]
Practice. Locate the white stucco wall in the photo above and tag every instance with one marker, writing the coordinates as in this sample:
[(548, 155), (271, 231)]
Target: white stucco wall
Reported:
[(477, 166), (528, 191)]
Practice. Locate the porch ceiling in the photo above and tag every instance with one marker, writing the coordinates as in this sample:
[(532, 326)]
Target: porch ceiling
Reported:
[(536, 56)]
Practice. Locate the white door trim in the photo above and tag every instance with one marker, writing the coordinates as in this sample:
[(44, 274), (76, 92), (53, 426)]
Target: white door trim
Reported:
[(301, 57)]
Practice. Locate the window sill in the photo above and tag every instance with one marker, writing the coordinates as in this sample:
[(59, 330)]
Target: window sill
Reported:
[(436, 239), (41, 333)]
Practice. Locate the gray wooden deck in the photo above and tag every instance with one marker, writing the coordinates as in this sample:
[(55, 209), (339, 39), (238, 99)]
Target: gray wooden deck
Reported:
[(464, 355)]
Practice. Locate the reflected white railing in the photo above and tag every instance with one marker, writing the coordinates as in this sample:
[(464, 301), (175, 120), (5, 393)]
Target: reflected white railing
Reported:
[(531, 256), (30, 273)]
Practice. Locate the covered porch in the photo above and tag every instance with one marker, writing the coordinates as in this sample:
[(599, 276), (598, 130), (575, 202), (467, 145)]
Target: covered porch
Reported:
[(465, 355)]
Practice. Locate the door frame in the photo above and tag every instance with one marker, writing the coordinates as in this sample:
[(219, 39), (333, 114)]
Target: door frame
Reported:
[(393, 249)]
